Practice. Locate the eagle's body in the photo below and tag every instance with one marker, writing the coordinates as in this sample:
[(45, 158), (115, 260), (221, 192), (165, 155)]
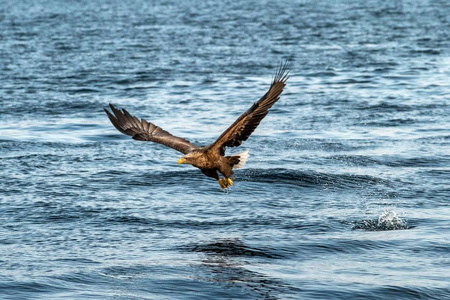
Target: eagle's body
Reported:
[(209, 159)]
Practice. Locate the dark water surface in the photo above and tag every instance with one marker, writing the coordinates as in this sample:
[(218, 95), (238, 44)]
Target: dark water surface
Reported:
[(346, 193)]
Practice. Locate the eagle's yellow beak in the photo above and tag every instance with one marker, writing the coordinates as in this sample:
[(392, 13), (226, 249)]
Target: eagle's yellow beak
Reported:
[(182, 160)]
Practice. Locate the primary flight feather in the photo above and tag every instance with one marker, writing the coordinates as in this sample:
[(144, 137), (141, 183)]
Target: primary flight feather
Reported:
[(209, 159)]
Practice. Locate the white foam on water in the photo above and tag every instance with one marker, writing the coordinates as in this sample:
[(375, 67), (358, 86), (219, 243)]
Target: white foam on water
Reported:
[(390, 220)]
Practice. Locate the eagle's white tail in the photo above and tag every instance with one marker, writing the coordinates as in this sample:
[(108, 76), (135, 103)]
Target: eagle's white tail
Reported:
[(243, 157)]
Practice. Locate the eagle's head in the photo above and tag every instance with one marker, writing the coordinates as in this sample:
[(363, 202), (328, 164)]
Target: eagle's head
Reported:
[(190, 158)]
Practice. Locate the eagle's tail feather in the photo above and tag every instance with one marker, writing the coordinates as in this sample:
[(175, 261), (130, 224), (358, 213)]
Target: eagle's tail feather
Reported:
[(238, 161)]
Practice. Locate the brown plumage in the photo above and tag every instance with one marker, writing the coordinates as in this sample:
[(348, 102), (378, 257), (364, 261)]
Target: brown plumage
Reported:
[(209, 159)]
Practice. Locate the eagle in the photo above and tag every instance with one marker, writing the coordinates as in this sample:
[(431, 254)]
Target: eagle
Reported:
[(211, 160)]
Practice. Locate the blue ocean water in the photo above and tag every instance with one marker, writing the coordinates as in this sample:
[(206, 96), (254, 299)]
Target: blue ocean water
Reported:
[(346, 193)]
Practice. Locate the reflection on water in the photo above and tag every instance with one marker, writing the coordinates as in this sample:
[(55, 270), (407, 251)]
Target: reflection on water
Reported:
[(225, 262)]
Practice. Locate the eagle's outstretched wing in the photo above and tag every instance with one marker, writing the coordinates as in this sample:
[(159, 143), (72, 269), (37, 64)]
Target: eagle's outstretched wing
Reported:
[(145, 131), (244, 126)]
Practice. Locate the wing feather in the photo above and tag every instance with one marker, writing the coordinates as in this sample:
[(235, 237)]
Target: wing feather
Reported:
[(244, 126), (143, 130)]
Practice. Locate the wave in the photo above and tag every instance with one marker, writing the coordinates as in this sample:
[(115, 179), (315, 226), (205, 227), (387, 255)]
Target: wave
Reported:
[(310, 178), (411, 292), (232, 247), (375, 293), (393, 160), (306, 178)]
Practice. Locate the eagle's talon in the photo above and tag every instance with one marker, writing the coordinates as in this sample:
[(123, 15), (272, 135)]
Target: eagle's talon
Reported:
[(230, 182), (222, 183)]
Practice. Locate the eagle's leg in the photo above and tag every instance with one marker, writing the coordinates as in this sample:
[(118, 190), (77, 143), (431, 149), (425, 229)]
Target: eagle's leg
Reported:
[(222, 183), (225, 182)]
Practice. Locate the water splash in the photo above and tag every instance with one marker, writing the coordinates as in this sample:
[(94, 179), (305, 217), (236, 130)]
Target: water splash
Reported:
[(388, 220)]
